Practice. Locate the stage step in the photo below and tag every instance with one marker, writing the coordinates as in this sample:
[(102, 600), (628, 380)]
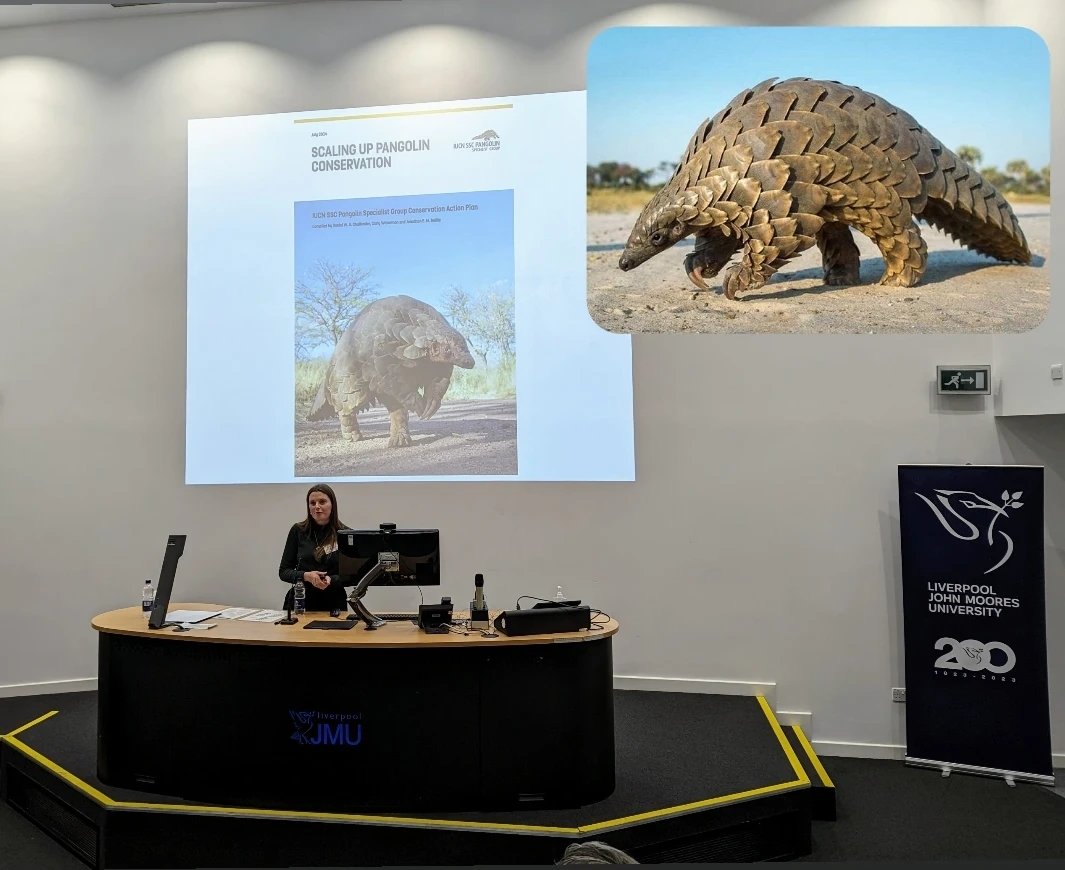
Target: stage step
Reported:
[(700, 778), (823, 790)]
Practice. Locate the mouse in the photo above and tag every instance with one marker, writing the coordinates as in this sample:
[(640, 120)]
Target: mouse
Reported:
[(334, 613)]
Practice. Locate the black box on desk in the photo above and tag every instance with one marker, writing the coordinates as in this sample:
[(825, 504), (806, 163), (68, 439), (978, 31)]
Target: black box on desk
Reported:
[(547, 620), (435, 617)]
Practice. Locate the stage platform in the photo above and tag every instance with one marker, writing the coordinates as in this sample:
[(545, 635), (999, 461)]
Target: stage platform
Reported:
[(699, 778)]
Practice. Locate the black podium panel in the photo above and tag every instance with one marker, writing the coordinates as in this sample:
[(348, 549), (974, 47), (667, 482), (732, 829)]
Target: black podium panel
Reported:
[(533, 736), (351, 728)]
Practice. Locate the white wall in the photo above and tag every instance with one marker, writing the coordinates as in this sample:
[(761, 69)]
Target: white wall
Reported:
[(766, 465), (1022, 362)]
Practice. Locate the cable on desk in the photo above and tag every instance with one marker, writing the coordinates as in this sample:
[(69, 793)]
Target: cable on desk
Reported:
[(599, 626), (517, 604)]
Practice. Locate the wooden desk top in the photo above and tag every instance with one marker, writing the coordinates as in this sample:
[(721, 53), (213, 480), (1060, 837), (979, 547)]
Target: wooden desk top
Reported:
[(131, 621)]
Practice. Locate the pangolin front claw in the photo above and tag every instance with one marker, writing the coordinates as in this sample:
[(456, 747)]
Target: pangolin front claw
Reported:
[(696, 277), (693, 267)]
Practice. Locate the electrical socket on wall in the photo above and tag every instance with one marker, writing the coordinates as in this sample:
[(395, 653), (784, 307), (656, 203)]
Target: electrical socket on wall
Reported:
[(1055, 372), (898, 696)]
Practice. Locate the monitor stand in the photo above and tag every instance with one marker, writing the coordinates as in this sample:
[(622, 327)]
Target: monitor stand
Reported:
[(384, 563)]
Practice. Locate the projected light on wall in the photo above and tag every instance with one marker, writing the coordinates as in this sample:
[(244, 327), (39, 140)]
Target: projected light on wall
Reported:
[(397, 293)]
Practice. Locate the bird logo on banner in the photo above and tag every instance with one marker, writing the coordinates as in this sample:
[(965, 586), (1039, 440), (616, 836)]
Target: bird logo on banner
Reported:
[(960, 527)]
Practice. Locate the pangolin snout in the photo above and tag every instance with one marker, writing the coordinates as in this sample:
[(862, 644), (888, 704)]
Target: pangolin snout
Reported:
[(625, 263)]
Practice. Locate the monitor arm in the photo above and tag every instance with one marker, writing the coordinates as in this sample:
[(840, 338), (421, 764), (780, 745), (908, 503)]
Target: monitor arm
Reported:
[(386, 563)]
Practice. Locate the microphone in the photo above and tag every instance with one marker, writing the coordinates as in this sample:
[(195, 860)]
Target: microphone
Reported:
[(478, 607)]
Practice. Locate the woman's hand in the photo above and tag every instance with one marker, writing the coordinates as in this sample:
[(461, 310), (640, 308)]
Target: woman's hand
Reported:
[(318, 579)]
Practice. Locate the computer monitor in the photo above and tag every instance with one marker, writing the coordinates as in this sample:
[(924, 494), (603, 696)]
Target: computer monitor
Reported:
[(175, 546), (418, 552)]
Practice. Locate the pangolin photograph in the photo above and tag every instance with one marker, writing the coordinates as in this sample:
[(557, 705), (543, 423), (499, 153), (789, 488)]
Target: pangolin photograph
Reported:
[(801, 186), (412, 383)]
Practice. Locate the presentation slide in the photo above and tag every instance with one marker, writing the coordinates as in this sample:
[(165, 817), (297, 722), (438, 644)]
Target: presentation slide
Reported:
[(398, 293)]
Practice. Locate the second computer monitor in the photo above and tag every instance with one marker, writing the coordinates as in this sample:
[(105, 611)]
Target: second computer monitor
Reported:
[(418, 551)]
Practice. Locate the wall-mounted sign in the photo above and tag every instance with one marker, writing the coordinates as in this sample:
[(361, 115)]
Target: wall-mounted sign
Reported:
[(964, 379)]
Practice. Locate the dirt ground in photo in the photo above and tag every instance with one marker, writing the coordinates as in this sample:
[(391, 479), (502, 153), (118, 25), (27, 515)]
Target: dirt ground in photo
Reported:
[(961, 291), (462, 438)]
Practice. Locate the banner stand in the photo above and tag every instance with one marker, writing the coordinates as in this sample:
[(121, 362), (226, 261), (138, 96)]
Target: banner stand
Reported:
[(1011, 776), (974, 620)]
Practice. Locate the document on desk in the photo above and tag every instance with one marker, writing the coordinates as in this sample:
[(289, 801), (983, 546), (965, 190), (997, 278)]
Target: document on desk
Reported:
[(238, 612), (264, 616), (190, 615)]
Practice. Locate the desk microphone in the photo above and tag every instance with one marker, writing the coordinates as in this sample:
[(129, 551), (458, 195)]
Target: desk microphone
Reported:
[(478, 607)]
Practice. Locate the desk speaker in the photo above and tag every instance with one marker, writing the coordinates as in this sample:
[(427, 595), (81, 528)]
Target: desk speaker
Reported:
[(548, 620)]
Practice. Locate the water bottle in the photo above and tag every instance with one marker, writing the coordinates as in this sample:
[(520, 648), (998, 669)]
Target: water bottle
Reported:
[(299, 598), (147, 598), (559, 597)]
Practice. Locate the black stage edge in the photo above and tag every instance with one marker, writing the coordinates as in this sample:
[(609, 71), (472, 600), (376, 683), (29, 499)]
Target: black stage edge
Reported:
[(823, 793), (699, 778)]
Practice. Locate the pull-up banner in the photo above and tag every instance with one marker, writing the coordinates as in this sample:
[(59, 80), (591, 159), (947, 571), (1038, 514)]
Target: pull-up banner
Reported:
[(975, 619)]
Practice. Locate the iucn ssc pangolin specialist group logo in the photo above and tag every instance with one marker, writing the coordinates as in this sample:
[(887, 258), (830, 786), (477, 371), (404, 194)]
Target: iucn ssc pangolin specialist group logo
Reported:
[(487, 140), (960, 526)]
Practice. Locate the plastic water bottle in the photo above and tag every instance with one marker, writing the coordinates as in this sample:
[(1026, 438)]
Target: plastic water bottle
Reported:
[(147, 598), (299, 598), (559, 597)]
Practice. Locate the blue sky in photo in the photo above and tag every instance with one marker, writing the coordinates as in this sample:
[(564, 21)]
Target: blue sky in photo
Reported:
[(650, 87), (471, 249)]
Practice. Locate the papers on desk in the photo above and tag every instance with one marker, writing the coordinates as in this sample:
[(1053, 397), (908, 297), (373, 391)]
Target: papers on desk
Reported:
[(265, 616), (198, 626), (250, 614), (191, 616), (238, 612)]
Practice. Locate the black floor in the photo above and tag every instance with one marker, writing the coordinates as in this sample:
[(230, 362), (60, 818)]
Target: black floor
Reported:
[(885, 809)]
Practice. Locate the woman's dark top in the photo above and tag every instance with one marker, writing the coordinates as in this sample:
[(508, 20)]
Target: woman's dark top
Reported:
[(299, 558)]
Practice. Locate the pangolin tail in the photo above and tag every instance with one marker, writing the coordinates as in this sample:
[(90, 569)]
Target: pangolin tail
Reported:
[(322, 409), (963, 204)]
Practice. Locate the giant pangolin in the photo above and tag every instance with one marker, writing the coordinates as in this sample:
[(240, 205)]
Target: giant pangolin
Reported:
[(398, 352), (790, 164)]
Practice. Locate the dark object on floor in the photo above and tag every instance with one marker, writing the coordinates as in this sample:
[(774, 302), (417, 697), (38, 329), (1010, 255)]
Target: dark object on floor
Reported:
[(595, 852)]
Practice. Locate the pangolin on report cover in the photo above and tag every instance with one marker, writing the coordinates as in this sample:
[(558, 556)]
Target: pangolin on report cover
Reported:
[(398, 352)]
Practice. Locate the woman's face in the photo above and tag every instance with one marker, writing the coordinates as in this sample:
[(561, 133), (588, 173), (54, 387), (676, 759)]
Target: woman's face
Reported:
[(320, 507)]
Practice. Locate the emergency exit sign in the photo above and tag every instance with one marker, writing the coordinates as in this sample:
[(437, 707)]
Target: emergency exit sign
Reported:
[(964, 379)]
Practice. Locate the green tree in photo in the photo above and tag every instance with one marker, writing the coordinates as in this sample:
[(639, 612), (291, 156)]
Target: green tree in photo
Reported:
[(486, 320), (971, 155), (1019, 178), (328, 298)]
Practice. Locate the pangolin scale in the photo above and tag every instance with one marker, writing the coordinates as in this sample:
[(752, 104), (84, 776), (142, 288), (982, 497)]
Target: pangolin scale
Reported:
[(790, 164)]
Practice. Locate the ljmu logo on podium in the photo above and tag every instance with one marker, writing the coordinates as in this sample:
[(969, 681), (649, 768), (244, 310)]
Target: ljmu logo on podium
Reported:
[(315, 728)]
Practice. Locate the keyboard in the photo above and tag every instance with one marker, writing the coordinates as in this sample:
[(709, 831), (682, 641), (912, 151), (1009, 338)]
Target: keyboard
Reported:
[(396, 617)]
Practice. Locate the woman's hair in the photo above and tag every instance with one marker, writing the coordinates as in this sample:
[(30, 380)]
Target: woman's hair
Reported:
[(595, 852), (334, 517)]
